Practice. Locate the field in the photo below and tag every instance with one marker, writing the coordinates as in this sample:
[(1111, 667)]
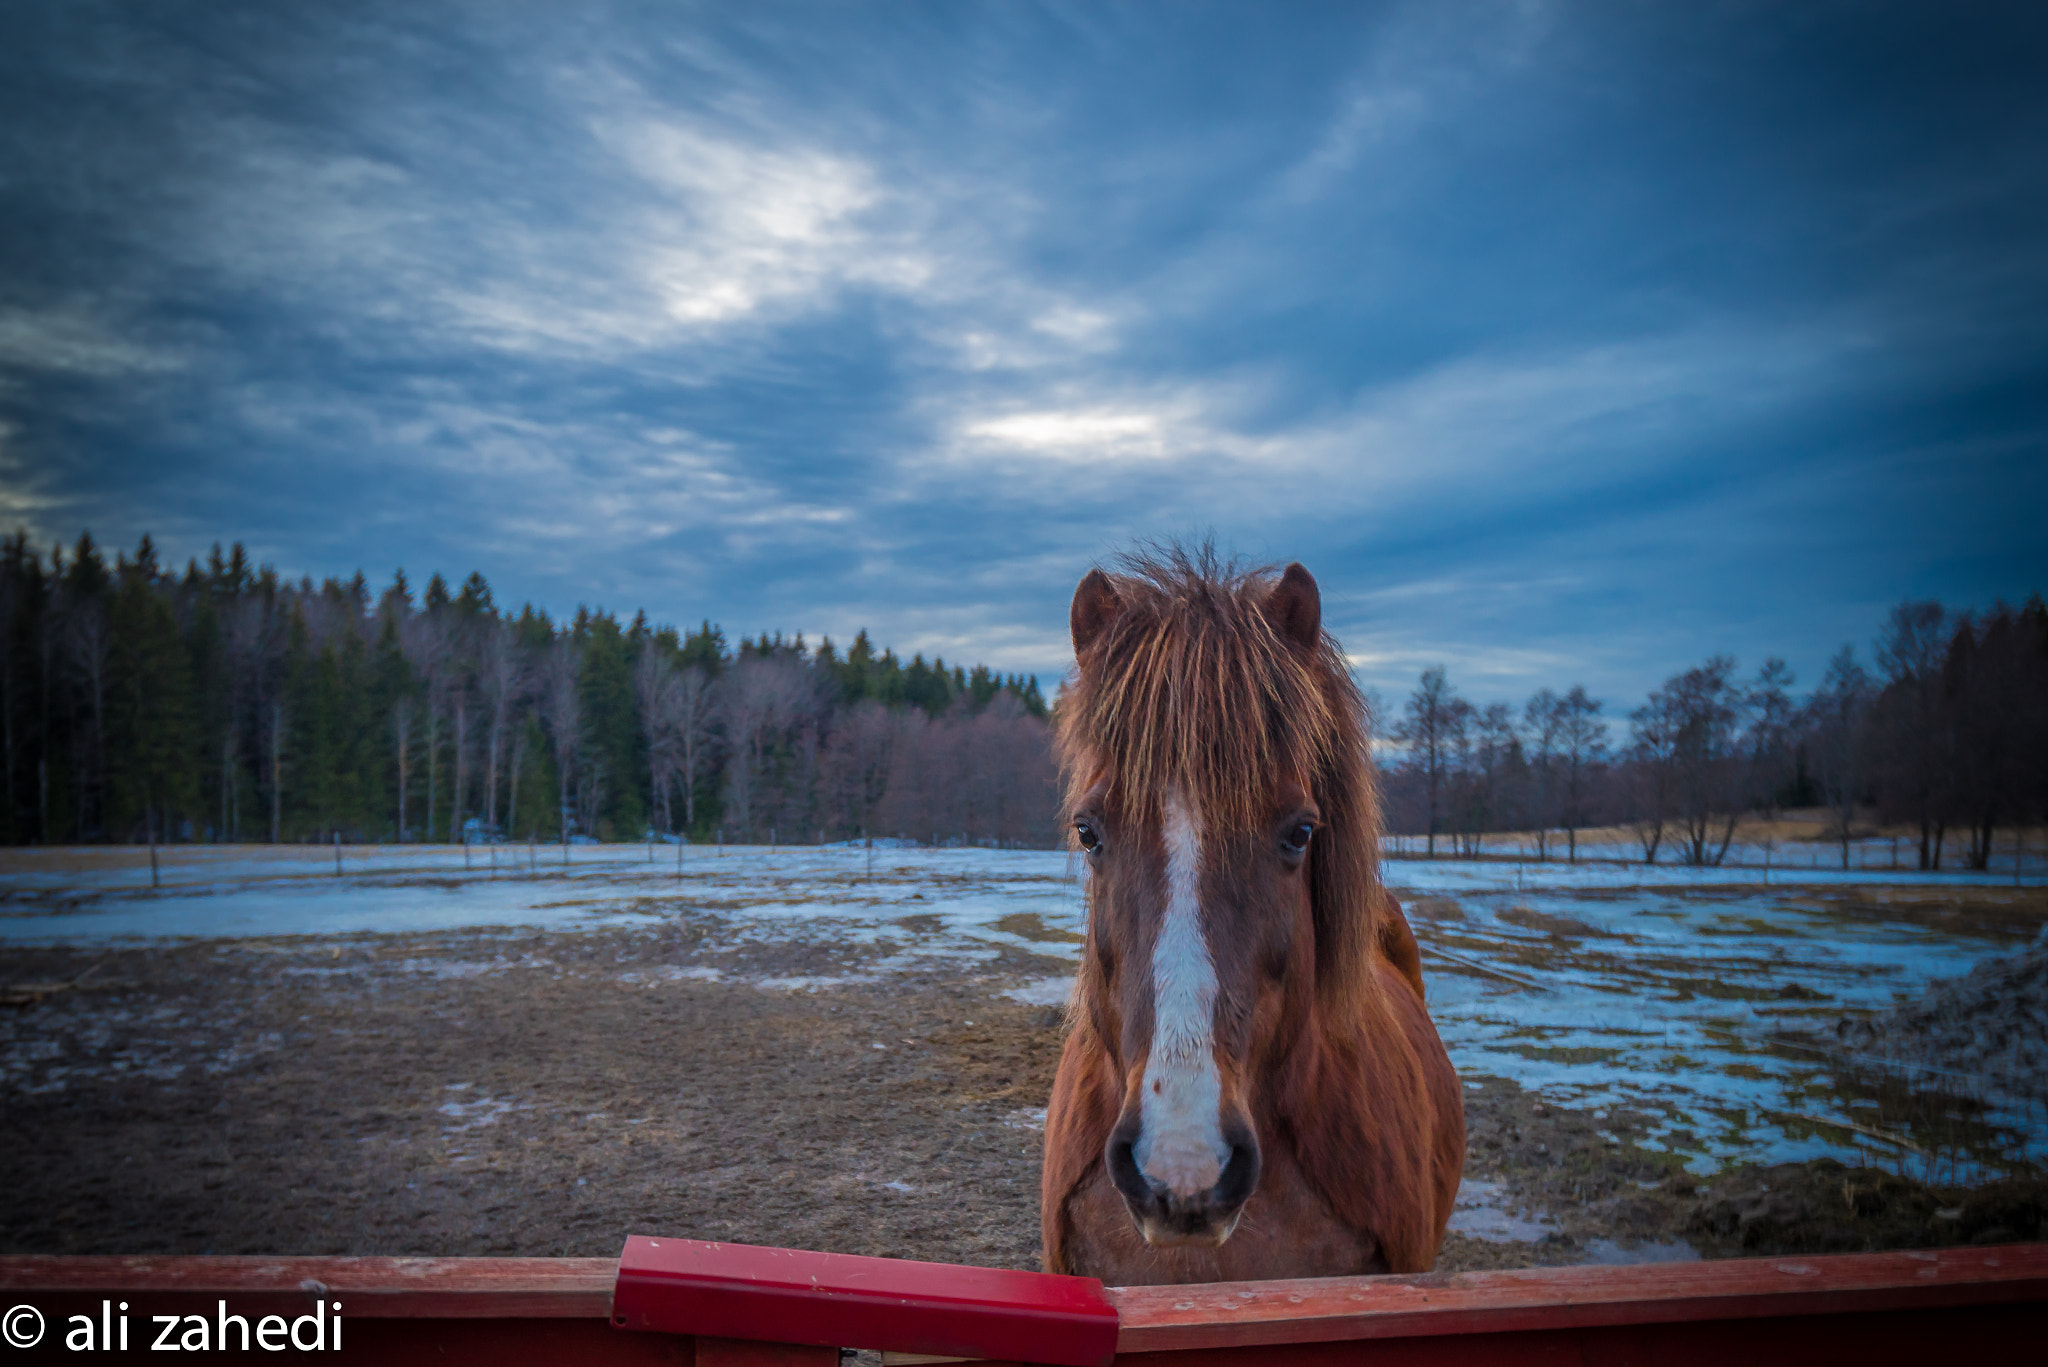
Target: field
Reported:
[(537, 1050)]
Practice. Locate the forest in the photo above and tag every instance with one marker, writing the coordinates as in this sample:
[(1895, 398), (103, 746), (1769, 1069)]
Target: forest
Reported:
[(1945, 735), (225, 703)]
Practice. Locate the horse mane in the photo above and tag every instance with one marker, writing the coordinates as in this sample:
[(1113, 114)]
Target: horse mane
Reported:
[(1193, 683)]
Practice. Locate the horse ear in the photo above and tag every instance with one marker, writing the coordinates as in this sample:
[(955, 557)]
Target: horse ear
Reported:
[(1095, 607), (1295, 607)]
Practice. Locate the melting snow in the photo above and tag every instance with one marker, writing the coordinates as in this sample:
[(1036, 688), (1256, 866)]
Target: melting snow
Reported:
[(1596, 984)]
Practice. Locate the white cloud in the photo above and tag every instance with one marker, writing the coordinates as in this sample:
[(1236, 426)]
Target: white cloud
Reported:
[(1076, 434), (1427, 65), (76, 338), (637, 226), (734, 226), (1075, 325), (1495, 422), (709, 231)]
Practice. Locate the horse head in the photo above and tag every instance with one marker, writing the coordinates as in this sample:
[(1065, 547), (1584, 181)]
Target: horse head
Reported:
[(1214, 747)]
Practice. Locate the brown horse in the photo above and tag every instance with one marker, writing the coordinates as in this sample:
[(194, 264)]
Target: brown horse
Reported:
[(1251, 1086)]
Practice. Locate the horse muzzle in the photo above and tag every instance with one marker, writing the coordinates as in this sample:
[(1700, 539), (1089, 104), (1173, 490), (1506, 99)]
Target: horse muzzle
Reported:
[(1168, 1219)]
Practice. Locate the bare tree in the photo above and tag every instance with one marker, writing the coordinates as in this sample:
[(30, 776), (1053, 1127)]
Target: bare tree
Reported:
[(910, 801), (1581, 745), (695, 722), (1769, 739), (1704, 713), (744, 711), (1540, 718), (1993, 696), (1910, 653), (654, 689), (1835, 721), (1653, 762), (1497, 754), (678, 713), (857, 762), (760, 698), (1431, 726)]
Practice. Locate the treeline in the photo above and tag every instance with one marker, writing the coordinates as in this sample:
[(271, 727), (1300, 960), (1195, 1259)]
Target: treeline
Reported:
[(1946, 733), (226, 703)]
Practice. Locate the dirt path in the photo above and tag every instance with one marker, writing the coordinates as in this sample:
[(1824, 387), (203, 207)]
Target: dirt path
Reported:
[(474, 1094)]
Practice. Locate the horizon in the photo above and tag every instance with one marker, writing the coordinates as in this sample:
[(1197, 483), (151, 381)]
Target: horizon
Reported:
[(1562, 346), (1385, 704)]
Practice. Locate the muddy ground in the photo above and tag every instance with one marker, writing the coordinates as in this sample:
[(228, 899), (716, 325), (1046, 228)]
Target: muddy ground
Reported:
[(517, 1093)]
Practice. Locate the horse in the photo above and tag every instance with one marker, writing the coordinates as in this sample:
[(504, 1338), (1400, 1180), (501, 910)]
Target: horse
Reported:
[(1250, 1085)]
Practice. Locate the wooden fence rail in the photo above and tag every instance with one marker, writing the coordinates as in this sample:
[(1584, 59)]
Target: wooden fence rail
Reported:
[(1924, 1308)]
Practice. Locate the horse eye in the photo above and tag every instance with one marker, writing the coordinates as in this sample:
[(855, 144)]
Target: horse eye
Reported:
[(1297, 839), (1084, 830)]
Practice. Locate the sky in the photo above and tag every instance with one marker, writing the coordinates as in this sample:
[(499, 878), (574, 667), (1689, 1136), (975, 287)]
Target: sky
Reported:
[(1562, 342)]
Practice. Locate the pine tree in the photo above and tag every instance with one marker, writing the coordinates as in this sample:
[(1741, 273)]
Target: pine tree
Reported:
[(611, 727), (151, 714)]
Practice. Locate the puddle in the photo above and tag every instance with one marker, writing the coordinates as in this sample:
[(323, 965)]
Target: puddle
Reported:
[(1609, 1252), (1043, 992), (1674, 1002), (1480, 1214), (1665, 990)]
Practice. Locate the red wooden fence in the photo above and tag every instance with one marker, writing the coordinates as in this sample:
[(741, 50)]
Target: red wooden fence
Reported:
[(1926, 1308)]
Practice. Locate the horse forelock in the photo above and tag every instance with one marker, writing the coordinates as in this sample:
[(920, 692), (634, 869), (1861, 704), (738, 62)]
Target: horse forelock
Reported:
[(1193, 688)]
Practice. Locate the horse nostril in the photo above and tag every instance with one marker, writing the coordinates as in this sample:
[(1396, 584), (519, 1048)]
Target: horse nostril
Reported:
[(1123, 1167), (1240, 1176)]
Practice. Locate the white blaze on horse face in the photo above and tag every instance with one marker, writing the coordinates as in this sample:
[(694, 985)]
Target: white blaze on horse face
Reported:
[(1180, 1138)]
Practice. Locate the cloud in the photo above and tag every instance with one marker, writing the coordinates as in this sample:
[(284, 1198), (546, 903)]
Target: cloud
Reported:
[(1423, 68), (76, 338), (713, 231), (1492, 427), (1084, 435), (1543, 335)]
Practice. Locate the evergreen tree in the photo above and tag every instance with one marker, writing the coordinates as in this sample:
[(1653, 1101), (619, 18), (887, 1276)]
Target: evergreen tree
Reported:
[(151, 714), (614, 762)]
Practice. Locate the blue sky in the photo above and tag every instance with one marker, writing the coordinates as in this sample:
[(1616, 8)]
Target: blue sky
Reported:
[(1562, 342)]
